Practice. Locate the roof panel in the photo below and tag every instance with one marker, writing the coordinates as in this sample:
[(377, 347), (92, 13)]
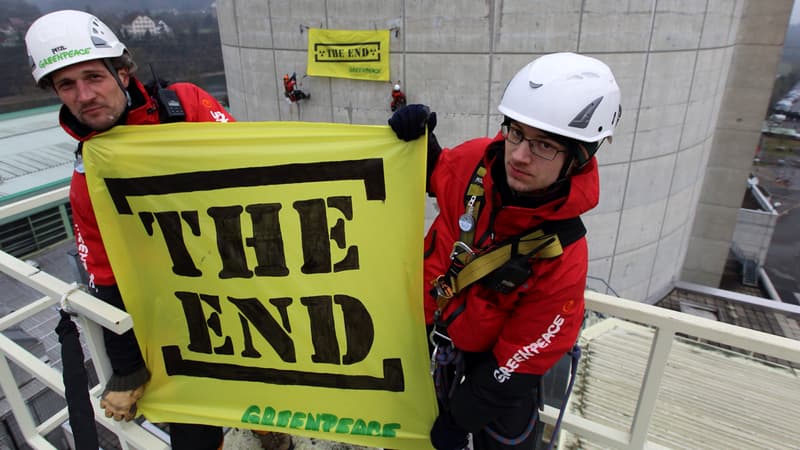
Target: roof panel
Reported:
[(34, 152), (709, 398)]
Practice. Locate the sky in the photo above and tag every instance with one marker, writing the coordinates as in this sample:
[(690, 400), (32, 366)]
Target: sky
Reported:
[(795, 17)]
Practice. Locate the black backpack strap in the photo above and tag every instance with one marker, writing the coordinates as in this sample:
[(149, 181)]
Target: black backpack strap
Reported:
[(568, 230), (169, 105)]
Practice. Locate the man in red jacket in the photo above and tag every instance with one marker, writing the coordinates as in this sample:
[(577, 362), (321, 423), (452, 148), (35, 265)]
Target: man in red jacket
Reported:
[(503, 328), (91, 71)]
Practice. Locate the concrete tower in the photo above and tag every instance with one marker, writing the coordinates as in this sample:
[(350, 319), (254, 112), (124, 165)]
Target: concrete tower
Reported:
[(696, 77)]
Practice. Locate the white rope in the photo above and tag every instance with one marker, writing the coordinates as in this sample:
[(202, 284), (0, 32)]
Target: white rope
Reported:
[(63, 302)]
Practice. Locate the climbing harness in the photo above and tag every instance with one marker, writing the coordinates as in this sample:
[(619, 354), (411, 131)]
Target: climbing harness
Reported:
[(502, 267)]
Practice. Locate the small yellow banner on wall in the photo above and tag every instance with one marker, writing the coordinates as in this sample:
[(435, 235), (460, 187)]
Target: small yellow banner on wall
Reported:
[(357, 54), (273, 272)]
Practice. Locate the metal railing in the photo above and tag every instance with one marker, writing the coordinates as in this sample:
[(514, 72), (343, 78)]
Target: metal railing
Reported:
[(94, 314), (667, 325)]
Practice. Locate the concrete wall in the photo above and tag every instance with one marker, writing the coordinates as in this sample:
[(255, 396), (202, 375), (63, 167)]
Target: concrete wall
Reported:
[(756, 52), (677, 62)]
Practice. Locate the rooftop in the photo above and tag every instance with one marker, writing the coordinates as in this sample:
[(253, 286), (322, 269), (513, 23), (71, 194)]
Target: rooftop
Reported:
[(709, 398), (35, 153)]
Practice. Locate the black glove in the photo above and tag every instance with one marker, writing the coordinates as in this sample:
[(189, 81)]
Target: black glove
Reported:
[(446, 434), (409, 121)]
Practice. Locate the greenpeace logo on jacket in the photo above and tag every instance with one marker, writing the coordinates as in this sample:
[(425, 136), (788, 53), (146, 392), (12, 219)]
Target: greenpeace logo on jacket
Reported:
[(529, 351)]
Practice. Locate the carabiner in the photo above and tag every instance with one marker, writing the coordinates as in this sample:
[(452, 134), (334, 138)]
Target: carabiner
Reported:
[(443, 290), (461, 247), (434, 334), (434, 363)]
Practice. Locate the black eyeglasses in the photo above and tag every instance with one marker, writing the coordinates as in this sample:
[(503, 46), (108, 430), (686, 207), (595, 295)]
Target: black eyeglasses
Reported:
[(542, 148)]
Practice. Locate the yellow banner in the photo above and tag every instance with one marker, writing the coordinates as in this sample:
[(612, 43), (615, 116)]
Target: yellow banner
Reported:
[(273, 272), (357, 54)]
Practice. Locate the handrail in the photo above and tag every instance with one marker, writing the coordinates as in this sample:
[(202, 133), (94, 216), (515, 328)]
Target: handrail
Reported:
[(27, 204), (95, 313), (744, 338), (51, 378), (602, 280), (76, 300), (667, 323)]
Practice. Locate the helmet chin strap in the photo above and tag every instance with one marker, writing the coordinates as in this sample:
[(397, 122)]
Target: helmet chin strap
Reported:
[(566, 168), (119, 82)]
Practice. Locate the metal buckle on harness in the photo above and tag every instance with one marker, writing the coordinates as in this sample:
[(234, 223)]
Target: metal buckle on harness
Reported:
[(460, 247), (436, 336), (443, 290)]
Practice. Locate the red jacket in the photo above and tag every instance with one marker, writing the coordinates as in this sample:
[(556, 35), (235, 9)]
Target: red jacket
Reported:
[(198, 105), (288, 85), (529, 329)]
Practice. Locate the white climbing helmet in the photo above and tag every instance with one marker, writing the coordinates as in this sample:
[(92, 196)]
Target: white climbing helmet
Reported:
[(62, 38), (565, 94)]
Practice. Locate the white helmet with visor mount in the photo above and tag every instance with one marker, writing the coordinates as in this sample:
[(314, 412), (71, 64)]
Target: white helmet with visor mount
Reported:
[(63, 38), (565, 94)]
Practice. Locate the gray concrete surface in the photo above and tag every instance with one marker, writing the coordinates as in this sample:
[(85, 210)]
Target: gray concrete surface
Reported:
[(695, 77)]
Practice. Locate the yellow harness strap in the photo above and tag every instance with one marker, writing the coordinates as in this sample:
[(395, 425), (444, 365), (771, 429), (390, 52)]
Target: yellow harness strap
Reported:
[(478, 266), (468, 267)]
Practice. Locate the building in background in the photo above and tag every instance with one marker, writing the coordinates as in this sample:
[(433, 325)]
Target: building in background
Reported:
[(144, 26), (696, 80)]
